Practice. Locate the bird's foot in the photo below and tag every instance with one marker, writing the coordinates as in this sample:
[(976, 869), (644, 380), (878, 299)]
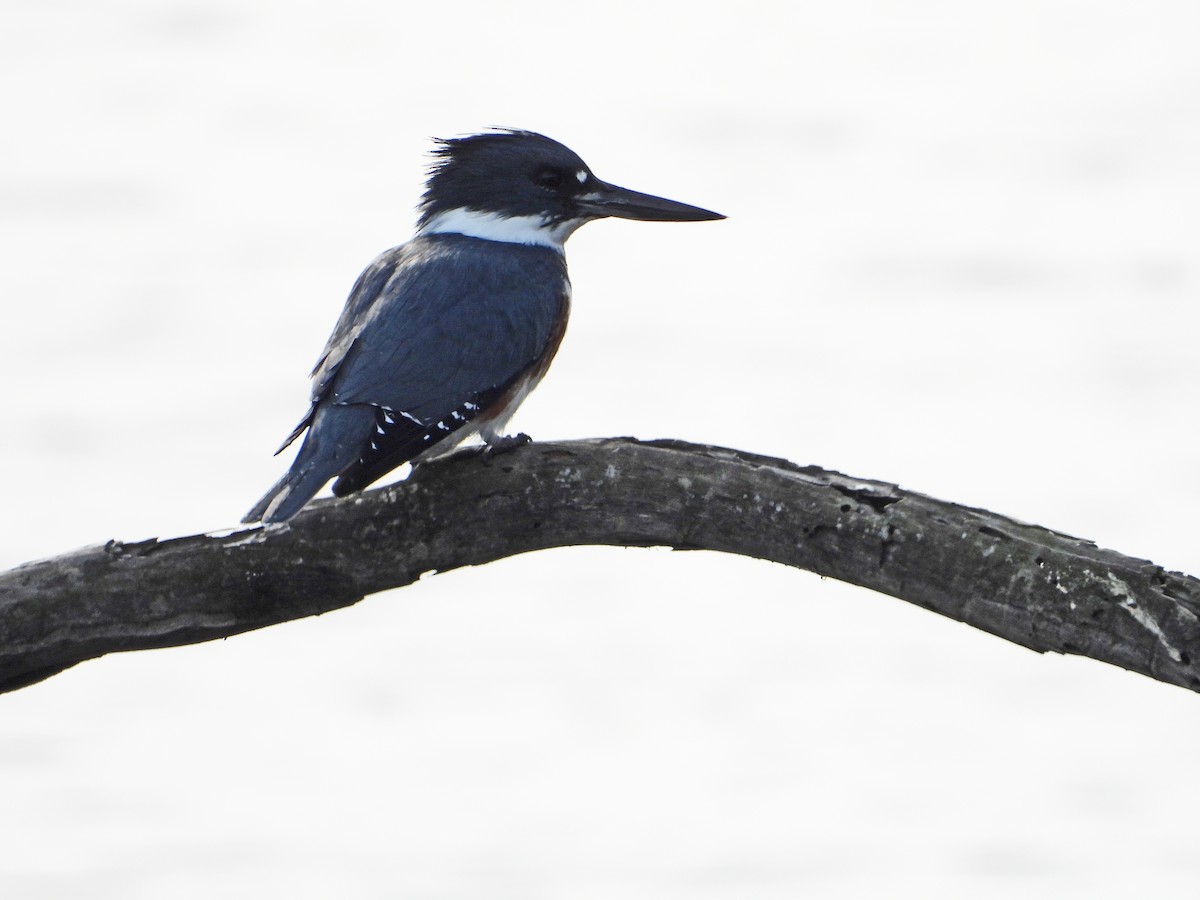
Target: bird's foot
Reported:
[(503, 443)]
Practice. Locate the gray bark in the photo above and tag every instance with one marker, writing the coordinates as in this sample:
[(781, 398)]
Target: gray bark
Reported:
[(1030, 585)]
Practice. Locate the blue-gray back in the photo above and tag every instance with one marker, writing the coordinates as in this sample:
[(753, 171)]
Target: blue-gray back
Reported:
[(439, 319)]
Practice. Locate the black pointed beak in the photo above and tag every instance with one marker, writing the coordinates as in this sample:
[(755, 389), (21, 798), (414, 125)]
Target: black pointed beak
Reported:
[(610, 200)]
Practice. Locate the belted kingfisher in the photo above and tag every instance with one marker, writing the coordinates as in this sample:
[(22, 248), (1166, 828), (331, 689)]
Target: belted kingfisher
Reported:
[(444, 336)]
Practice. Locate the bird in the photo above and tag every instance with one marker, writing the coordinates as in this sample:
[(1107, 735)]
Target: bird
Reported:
[(444, 336)]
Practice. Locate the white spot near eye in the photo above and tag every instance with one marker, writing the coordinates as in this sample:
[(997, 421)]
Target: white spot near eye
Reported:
[(581, 175)]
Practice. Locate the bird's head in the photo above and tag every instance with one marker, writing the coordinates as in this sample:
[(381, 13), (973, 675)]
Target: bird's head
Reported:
[(526, 178)]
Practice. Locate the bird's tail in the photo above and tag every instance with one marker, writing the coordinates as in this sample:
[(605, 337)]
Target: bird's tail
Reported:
[(331, 445), (285, 498)]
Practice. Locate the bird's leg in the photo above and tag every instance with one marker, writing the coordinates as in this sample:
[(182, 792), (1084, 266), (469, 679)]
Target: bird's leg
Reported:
[(502, 443)]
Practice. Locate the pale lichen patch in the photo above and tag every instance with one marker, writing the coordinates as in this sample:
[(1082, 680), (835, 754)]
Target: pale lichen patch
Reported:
[(1121, 592)]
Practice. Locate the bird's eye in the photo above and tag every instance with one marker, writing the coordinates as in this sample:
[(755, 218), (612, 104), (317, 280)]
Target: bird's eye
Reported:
[(549, 178)]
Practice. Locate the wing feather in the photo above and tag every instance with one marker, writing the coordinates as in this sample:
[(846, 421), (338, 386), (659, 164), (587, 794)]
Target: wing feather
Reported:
[(456, 317), (432, 333)]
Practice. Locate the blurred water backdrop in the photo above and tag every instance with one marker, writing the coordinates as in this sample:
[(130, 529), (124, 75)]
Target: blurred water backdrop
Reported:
[(962, 254)]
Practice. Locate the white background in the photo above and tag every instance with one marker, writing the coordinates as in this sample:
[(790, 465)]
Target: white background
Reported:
[(962, 254)]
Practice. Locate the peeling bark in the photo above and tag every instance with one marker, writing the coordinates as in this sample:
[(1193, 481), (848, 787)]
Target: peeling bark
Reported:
[(1030, 585)]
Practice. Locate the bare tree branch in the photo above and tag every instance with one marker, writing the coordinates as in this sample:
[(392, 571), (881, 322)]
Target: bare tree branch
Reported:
[(1038, 588)]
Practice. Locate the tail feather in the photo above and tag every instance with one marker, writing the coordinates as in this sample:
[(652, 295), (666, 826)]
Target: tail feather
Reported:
[(331, 445), (260, 508), (288, 496)]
